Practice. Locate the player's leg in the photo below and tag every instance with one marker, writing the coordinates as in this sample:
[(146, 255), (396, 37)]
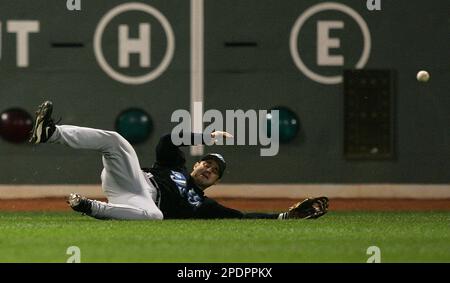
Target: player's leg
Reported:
[(122, 178), (128, 193), (103, 210), (123, 182)]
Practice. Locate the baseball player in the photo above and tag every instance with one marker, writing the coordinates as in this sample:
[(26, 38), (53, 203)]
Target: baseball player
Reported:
[(166, 190)]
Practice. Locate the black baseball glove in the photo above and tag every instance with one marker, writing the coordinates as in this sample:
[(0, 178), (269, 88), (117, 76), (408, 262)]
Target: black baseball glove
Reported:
[(310, 208)]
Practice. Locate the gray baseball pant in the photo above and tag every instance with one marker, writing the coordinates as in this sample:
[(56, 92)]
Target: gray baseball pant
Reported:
[(130, 195)]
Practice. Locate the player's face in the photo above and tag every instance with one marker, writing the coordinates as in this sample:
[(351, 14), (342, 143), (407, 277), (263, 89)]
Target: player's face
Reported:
[(205, 173)]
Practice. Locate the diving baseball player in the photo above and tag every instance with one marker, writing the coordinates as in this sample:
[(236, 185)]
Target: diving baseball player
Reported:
[(166, 190)]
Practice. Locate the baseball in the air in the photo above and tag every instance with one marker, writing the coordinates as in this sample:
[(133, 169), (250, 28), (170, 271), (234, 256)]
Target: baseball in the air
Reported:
[(423, 76)]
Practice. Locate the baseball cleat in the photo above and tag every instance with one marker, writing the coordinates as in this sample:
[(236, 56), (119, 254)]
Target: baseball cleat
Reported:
[(79, 203), (44, 126)]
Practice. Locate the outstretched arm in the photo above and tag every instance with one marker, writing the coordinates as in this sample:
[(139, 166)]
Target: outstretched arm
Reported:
[(211, 209), (309, 208), (168, 154)]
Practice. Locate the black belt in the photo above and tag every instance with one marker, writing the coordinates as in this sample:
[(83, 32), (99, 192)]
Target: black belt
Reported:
[(152, 180)]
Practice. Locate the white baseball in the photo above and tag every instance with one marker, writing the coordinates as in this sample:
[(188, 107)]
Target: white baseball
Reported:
[(423, 76)]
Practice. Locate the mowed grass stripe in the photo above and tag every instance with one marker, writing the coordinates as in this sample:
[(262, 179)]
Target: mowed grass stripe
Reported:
[(336, 237)]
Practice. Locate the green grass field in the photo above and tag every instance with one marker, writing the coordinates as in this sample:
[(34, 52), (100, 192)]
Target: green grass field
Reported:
[(337, 237)]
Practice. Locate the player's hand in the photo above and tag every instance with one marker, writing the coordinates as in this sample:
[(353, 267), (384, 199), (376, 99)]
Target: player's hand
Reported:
[(215, 136)]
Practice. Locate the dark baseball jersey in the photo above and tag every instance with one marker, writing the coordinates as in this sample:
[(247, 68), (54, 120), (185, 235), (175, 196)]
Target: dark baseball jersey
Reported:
[(179, 195)]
